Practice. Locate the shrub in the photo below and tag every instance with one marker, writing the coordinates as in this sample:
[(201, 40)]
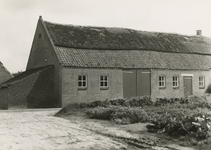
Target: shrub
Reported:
[(104, 113), (179, 121), (139, 101), (128, 115), (116, 102), (191, 102), (95, 104), (120, 115), (208, 90)]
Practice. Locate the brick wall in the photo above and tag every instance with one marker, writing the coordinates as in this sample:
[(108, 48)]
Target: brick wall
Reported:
[(43, 54), (15, 94), (41, 94), (71, 93), (169, 91), (34, 90)]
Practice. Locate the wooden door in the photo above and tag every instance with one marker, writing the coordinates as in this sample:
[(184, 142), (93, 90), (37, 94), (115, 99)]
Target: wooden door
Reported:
[(188, 89), (129, 83), (143, 82)]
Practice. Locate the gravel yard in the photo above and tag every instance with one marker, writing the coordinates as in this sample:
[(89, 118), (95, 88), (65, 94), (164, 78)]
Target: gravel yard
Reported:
[(39, 130)]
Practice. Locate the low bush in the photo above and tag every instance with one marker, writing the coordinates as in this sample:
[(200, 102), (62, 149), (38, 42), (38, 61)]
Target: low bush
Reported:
[(104, 113), (139, 101), (120, 115), (191, 102), (208, 90), (179, 122), (175, 116), (128, 115)]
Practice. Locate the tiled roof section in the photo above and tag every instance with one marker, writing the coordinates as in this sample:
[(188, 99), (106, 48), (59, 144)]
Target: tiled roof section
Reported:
[(131, 59), (86, 37)]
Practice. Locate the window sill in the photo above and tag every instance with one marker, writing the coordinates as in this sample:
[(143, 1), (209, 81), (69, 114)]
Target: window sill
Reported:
[(201, 87), (82, 88), (103, 88), (175, 88), (162, 88)]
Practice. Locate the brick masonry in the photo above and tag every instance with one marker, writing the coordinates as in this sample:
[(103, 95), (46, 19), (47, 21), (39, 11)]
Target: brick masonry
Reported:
[(169, 91), (71, 93), (15, 93), (34, 90), (42, 54)]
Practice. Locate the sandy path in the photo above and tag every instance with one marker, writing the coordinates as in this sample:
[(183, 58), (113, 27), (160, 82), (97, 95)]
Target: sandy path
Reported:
[(39, 130)]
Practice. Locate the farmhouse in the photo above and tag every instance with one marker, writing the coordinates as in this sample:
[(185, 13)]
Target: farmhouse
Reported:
[(84, 64)]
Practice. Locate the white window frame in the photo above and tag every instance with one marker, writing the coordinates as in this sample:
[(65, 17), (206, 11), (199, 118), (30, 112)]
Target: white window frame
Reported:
[(175, 82), (162, 81), (201, 82), (82, 81), (104, 81)]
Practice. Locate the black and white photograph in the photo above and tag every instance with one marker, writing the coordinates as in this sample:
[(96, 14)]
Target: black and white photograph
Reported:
[(105, 75)]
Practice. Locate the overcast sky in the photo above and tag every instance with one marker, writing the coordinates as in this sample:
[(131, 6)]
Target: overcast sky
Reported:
[(19, 19)]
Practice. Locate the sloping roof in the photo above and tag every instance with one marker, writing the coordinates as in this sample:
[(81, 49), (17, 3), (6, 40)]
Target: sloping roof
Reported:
[(99, 47), (24, 75), (131, 59), (4, 74), (86, 37)]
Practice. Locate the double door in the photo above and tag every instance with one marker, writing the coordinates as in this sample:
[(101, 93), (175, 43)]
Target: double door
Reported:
[(136, 83)]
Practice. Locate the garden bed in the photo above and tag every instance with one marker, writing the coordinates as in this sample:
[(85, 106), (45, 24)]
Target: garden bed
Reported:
[(187, 119)]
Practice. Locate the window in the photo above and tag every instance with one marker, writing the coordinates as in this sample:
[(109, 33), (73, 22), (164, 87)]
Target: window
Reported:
[(103, 81), (175, 81), (162, 81), (201, 82), (82, 81)]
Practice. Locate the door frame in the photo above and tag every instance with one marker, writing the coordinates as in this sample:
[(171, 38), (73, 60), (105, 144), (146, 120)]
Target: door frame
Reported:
[(188, 77)]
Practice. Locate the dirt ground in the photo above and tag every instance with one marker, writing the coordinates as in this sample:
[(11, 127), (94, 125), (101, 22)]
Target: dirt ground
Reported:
[(40, 130)]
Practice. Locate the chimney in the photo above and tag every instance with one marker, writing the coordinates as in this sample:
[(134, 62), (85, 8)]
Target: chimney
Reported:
[(199, 32)]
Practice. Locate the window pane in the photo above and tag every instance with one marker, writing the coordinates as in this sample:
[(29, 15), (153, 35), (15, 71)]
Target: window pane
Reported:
[(101, 78), (79, 84), (159, 83), (79, 77), (105, 78), (201, 81), (159, 78), (106, 84), (101, 84), (84, 77), (84, 84)]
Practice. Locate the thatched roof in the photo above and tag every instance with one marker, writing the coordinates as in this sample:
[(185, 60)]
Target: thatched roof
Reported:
[(100, 47), (85, 37)]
